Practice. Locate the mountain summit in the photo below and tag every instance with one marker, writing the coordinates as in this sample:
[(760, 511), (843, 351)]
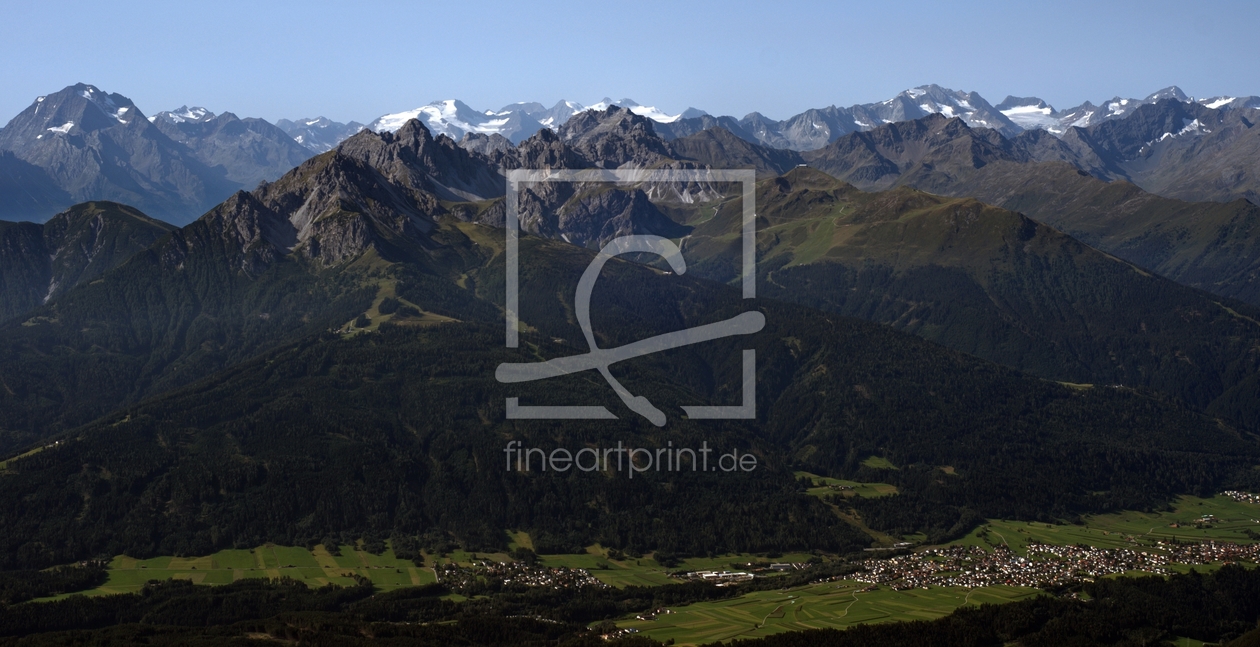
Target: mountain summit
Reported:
[(97, 145), (83, 143)]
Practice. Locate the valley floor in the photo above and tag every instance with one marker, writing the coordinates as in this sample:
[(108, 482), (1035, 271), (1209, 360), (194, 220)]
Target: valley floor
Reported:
[(887, 590)]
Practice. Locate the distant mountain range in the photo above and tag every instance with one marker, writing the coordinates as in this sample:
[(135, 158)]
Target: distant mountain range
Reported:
[(84, 144), (249, 150), (320, 134), (809, 130), (92, 145), (515, 122), (1209, 239), (1032, 113)]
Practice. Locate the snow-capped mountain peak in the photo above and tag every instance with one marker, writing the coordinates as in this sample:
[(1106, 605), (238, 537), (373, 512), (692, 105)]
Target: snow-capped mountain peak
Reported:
[(651, 112), (929, 99), (1170, 92), (454, 118), (106, 103), (1223, 102), (184, 114), (1088, 114), (319, 134)]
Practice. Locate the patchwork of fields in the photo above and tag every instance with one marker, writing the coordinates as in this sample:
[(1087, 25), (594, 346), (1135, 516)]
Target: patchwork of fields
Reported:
[(1232, 521), (316, 568), (832, 604)]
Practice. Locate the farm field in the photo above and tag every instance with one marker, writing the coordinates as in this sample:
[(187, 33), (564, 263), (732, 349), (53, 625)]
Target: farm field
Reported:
[(315, 568), (1233, 522), (832, 604)]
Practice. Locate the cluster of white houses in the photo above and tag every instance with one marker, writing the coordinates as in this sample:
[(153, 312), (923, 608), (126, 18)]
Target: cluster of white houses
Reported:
[(516, 573), (1045, 564), (1242, 497)]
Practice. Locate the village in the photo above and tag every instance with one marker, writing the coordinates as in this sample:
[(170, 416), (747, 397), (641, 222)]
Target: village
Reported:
[(514, 574), (1242, 497), (1044, 565)]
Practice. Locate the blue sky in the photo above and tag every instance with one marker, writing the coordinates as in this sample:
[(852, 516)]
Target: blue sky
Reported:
[(360, 60)]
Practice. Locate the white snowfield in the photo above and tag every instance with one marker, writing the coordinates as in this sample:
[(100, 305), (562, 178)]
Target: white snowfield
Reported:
[(454, 118), (519, 120), (1217, 102), (1030, 117), (106, 104)]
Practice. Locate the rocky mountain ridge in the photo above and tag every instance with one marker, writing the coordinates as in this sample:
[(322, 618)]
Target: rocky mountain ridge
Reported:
[(40, 262), (82, 144)]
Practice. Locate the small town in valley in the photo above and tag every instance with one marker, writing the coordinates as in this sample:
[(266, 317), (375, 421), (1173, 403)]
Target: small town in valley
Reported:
[(509, 574), (1044, 565)]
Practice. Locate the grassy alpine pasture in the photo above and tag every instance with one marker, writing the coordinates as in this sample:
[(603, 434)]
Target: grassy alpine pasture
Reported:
[(823, 486), (1232, 522), (831, 604)]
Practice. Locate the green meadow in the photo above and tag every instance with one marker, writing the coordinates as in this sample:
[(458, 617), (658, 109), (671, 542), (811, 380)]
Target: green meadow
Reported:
[(1233, 523), (818, 606), (831, 604), (825, 486), (315, 568)]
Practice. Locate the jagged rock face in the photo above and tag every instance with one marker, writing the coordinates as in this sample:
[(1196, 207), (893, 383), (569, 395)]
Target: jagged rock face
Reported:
[(241, 228), (573, 212), (593, 218), (413, 158), (485, 144), (249, 150), (1125, 139), (348, 205), (1174, 148), (330, 209), (98, 146), (542, 151), (614, 138), (39, 262)]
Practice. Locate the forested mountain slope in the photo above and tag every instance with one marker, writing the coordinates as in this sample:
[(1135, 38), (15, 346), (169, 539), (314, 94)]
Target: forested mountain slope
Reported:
[(39, 262)]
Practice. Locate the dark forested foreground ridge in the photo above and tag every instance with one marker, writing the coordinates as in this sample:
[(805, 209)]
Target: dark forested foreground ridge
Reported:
[(1222, 607), (400, 433)]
